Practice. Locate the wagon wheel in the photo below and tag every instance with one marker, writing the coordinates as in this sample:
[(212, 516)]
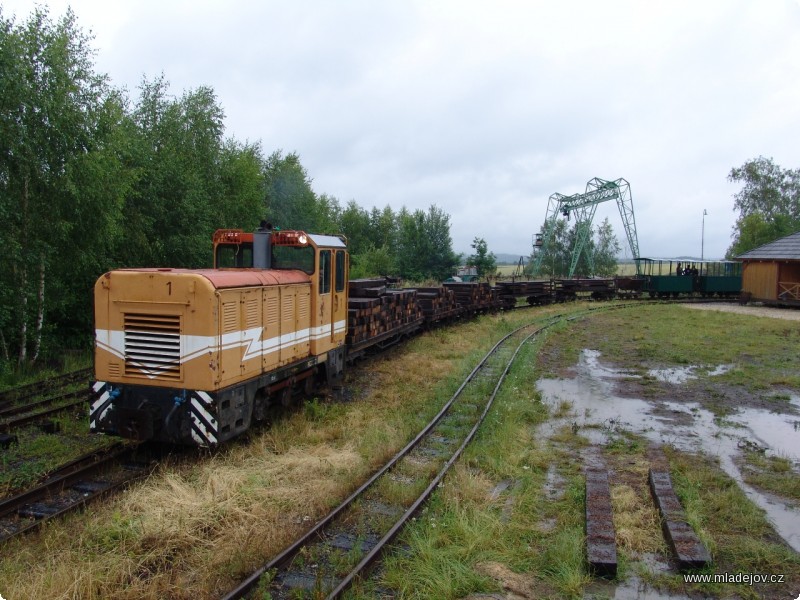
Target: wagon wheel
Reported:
[(260, 405), (285, 396), (308, 385)]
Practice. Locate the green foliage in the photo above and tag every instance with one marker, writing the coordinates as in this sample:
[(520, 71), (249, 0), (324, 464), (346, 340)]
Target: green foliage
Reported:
[(91, 180), (599, 255), (290, 201), (355, 225), (768, 204), (373, 262), (88, 183), (606, 249), (424, 245), (556, 252), (59, 177), (483, 260), (176, 153)]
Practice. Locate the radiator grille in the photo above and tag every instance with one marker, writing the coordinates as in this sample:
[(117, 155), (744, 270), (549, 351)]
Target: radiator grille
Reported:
[(252, 312), (153, 346), (271, 311), (303, 308), (230, 317)]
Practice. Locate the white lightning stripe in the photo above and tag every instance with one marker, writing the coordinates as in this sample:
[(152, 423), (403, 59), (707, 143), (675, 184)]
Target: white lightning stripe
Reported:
[(194, 346), (98, 385), (111, 340), (325, 330)]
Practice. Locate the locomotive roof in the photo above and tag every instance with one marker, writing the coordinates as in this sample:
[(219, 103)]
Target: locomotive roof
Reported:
[(227, 278), (327, 241)]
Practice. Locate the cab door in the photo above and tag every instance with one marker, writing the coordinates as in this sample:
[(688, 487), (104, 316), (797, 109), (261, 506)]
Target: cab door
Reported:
[(322, 332), (339, 303)]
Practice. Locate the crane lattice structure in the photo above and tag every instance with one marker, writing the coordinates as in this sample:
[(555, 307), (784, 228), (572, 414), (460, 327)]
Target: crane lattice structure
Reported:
[(583, 206)]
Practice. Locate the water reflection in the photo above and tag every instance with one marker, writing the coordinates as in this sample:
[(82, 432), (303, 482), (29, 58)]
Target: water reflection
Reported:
[(687, 426)]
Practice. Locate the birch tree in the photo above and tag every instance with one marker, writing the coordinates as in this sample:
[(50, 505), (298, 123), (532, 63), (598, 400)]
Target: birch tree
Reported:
[(768, 204), (51, 108)]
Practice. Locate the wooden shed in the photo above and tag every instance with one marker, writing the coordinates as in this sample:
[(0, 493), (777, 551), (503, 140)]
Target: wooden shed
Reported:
[(771, 273)]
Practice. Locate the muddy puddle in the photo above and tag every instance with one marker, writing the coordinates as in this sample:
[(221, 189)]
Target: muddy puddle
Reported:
[(633, 588), (589, 405)]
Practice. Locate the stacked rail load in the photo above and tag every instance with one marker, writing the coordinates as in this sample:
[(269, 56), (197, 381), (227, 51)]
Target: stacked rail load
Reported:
[(379, 316), (475, 297), (438, 304)]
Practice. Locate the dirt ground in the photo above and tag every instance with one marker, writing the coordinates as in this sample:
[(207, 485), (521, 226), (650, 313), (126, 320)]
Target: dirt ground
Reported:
[(789, 314)]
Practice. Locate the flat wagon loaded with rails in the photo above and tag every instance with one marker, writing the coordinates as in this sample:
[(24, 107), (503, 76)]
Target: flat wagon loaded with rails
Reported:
[(379, 315)]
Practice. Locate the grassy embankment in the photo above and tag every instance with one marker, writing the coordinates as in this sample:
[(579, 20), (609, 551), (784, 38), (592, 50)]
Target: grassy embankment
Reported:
[(191, 532)]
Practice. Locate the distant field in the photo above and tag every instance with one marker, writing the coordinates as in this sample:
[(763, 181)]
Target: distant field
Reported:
[(506, 270), (626, 269)]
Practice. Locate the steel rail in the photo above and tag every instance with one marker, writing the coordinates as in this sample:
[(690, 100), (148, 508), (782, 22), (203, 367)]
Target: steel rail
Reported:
[(378, 549), (32, 389), (82, 469), (313, 534), (21, 408), (57, 477), (10, 424)]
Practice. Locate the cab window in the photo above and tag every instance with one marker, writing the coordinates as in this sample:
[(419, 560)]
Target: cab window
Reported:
[(230, 256), (292, 257), (324, 271), (340, 269)]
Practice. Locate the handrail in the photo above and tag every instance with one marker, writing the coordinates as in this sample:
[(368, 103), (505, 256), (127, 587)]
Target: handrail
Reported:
[(788, 290)]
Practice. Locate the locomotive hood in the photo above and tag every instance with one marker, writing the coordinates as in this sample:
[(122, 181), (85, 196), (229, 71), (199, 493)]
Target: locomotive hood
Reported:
[(217, 278)]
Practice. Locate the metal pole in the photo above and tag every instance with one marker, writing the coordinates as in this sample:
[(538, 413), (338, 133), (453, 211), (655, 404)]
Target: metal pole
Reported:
[(703, 233)]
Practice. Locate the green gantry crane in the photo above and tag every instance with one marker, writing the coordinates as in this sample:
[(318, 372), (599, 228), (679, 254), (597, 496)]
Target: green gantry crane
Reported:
[(583, 206)]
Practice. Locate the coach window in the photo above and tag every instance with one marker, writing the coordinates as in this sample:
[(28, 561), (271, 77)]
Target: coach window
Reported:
[(324, 271), (340, 270)]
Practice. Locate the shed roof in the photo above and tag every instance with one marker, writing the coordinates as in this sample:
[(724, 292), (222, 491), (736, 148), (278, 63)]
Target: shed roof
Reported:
[(785, 248)]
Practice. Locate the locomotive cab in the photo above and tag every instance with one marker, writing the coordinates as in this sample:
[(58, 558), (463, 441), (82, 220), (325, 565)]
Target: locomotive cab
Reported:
[(193, 356), (323, 258)]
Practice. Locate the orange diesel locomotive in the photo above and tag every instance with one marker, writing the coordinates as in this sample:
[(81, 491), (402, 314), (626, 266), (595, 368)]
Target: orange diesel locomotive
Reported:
[(194, 356)]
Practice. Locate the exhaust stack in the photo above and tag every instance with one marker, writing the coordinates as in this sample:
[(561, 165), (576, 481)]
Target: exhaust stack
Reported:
[(262, 247)]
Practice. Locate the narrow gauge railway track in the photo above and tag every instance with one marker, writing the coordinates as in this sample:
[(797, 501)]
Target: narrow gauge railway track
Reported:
[(38, 388), (72, 486), (326, 560), (15, 416)]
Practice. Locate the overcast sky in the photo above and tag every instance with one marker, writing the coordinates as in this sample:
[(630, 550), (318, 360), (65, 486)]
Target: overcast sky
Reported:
[(485, 109)]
